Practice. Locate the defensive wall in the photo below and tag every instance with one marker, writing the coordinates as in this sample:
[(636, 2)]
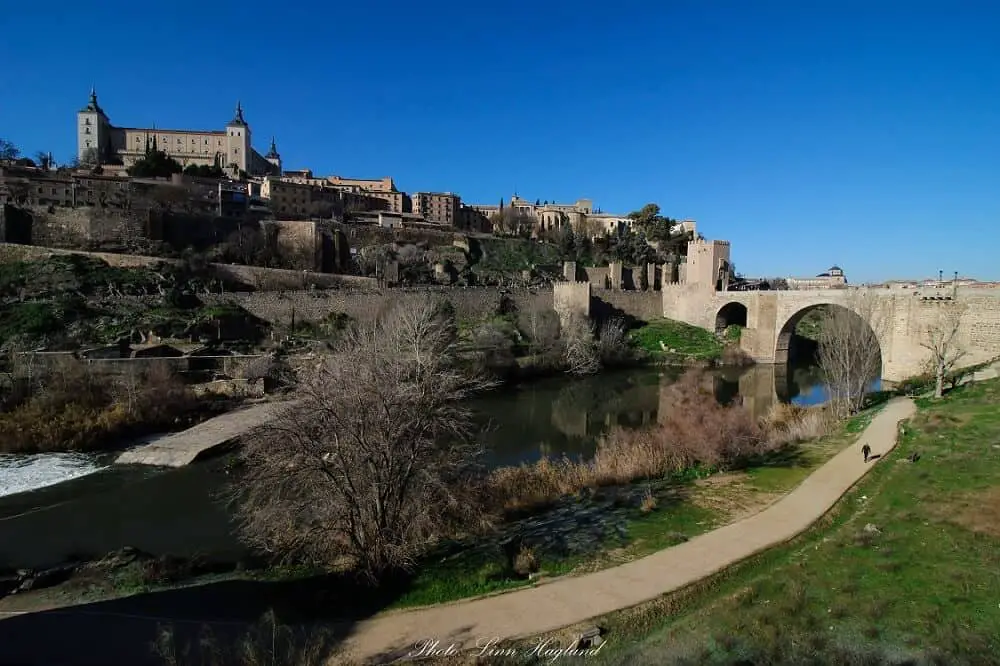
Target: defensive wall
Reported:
[(470, 303), (264, 279)]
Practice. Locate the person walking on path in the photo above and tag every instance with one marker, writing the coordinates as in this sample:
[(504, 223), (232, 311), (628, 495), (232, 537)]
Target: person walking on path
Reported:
[(866, 451)]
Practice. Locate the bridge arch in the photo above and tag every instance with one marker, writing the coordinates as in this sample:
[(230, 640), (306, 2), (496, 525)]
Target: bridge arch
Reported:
[(783, 342), (730, 314)]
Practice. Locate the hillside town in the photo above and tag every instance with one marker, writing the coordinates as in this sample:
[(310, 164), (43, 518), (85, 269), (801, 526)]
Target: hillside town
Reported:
[(222, 173)]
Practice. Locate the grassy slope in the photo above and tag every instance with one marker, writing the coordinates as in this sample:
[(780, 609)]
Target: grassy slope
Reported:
[(686, 340), (927, 582)]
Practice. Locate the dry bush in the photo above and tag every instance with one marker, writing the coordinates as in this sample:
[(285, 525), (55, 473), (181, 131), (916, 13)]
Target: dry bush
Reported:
[(377, 459), (735, 356), (648, 504), (613, 344), (73, 408), (581, 353), (697, 431), (525, 562), (789, 424), (542, 329)]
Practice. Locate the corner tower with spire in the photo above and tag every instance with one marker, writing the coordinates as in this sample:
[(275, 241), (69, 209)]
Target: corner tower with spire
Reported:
[(93, 132), (274, 158), (238, 150)]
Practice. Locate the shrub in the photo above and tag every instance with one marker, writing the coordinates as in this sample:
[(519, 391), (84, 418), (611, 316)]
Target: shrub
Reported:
[(71, 408), (525, 562), (735, 356)]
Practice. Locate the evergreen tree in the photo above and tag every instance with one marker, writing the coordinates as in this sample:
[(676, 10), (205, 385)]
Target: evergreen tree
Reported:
[(567, 242)]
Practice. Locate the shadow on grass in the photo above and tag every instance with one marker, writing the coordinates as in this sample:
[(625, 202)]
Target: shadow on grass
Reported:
[(232, 613), (791, 456)]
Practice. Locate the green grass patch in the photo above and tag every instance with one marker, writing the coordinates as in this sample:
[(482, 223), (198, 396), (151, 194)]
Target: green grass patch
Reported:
[(661, 335), (922, 582)]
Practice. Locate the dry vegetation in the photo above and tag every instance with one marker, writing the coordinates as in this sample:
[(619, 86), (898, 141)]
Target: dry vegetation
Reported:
[(698, 432), (377, 459), (71, 408)]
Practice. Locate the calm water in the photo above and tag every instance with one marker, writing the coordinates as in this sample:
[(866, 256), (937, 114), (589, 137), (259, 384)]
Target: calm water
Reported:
[(83, 505)]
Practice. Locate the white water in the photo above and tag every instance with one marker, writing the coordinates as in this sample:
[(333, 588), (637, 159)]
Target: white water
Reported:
[(21, 473)]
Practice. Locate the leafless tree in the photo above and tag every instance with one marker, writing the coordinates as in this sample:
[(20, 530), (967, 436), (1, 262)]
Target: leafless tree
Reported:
[(377, 457), (612, 343), (940, 337), (849, 353), (511, 222), (581, 353), (247, 245)]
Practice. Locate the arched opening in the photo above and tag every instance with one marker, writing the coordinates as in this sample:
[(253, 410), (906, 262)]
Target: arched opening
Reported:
[(797, 357), (731, 314)]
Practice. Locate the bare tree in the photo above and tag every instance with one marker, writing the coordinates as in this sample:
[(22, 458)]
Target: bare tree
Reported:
[(512, 222), (377, 457), (247, 245), (849, 353), (940, 338), (580, 349)]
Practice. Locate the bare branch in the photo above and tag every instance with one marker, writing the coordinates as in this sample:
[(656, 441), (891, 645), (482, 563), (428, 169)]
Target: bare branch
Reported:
[(849, 352), (940, 337), (377, 459)]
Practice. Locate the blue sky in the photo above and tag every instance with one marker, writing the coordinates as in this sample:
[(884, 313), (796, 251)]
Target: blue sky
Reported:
[(865, 134)]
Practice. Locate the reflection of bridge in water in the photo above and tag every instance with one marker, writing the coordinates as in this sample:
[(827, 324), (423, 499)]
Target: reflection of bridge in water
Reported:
[(578, 412)]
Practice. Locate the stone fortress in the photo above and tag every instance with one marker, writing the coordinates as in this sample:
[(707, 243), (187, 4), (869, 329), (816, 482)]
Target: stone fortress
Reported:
[(98, 141)]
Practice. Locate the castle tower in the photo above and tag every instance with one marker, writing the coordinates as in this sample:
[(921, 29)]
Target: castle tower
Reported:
[(93, 132), (274, 158), (708, 264), (237, 158)]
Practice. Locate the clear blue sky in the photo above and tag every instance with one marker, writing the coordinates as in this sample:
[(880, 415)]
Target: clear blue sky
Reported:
[(807, 133)]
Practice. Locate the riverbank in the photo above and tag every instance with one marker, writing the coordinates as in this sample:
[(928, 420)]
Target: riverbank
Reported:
[(591, 528), (177, 623), (902, 570)]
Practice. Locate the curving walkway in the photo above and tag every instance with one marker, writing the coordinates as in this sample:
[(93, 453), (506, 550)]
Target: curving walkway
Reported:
[(572, 600)]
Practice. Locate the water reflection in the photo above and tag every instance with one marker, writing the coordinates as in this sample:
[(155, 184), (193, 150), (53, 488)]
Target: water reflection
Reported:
[(179, 511), (565, 417)]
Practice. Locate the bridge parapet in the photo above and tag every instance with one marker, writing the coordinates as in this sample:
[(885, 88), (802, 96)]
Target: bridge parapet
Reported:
[(906, 316)]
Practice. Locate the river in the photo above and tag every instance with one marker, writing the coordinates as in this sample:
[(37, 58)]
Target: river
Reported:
[(56, 506)]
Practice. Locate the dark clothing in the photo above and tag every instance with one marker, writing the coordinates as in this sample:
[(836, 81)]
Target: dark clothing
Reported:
[(866, 451)]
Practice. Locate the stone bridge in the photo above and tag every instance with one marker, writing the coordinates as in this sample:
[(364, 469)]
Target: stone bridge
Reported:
[(770, 318)]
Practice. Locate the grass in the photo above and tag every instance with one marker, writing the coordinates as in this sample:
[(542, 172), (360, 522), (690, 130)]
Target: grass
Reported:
[(660, 336), (906, 566), (655, 515)]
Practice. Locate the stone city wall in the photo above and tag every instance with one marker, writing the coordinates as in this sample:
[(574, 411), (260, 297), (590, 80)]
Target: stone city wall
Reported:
[(263, 279), (470, 303), (644, 305)]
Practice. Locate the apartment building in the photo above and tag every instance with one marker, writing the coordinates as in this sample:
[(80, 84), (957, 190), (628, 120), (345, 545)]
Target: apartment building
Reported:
[(305, 196), (380, 189), (437, 207)]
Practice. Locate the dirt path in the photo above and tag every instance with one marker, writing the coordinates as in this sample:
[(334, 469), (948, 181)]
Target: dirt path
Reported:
[(571, 600)]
